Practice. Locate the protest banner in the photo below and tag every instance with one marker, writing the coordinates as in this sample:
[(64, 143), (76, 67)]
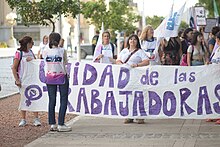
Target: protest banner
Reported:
[(119, 91)]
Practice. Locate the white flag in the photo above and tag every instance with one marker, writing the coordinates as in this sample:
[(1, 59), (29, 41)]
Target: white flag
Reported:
[(170, 25)]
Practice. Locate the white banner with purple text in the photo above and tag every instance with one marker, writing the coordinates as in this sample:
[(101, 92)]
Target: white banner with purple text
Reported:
[(119, 91)]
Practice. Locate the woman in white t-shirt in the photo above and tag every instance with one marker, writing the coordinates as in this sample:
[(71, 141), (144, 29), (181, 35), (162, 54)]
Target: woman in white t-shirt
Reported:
[(23, 54), (197, 53), (106, 51), (216, 60), (43, 45), (134, 56), (148, 44), (216, 55)]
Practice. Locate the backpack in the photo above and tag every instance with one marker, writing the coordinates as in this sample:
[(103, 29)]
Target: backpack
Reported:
[(21, 54), (183, 61)]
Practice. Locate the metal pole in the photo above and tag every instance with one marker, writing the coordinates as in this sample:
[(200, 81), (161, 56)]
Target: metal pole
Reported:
[(78, 37), (118, 43), (143, 17), (12, 32)]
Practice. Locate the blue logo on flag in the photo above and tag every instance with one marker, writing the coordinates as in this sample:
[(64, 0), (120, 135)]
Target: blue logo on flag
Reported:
[(171, 22)]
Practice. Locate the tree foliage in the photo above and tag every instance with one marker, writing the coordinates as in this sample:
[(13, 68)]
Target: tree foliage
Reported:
[(120, 15), (208, 4), (183, 25), (44, 12), (154, 21)]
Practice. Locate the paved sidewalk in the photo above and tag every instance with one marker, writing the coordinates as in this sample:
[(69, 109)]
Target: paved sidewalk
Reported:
[(103, 132)]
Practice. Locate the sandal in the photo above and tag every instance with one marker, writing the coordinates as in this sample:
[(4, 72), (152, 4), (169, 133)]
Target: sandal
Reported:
[(217, 122), (127, 121), (140, 121), (211, 120)]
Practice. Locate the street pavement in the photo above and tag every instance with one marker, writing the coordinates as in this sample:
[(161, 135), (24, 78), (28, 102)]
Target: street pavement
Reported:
[(104, 132), (6, 78)]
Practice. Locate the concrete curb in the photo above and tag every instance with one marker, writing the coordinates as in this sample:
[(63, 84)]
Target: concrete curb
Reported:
[(9, 95)]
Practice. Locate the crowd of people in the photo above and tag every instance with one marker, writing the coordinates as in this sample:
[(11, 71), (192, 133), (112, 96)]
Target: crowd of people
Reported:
[(140, 49)]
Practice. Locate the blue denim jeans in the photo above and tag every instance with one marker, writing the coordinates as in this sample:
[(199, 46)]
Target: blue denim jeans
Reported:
[(196, 63), (52, 93)]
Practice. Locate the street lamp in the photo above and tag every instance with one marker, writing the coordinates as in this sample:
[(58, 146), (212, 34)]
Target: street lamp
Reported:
[(10, 18)]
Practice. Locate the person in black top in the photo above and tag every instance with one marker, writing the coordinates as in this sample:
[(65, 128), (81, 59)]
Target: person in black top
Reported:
[(94, 41), (187, 36)]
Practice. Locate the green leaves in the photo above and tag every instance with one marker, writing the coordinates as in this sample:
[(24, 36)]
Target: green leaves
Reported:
[(119, 17), (45, 12), (208, 4)]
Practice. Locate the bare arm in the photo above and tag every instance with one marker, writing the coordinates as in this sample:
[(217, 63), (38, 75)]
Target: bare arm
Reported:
[(143, 63), (14, 72), (189, 59), (119, 62)]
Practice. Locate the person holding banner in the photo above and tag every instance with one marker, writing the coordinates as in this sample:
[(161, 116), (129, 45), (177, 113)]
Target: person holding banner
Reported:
[(133, 56), (148, 44), (216, 60), (105, 52), (23, 54), (212, 40), (197, 53), (56, 76)]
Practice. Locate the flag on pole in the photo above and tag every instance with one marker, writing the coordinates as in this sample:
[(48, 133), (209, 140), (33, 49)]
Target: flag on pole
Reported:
[(170, 25), (215, 9), (96, 52), (192, 22)]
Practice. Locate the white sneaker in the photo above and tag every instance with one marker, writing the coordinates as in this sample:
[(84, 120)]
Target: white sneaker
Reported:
[(53, 128), (63, 128), (22, 123), (37, 122)]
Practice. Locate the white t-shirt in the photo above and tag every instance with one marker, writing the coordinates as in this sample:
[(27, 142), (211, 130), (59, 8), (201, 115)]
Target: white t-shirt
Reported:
[(42, 47), (149, 47), (106, 51), (136, 58), (23, 59), (55, 65), (216, 56), (197, 54)]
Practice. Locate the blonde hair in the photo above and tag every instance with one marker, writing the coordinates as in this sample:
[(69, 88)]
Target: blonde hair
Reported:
[(144, 32)]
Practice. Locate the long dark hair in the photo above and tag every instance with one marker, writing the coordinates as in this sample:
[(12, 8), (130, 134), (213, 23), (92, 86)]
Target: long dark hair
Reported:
[(23, 43), (54, 39), (194, 39), (187, 30), (138, 41)]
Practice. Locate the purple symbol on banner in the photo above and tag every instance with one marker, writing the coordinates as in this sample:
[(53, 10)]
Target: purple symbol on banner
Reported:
[(32, 93), (42, 72)]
